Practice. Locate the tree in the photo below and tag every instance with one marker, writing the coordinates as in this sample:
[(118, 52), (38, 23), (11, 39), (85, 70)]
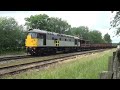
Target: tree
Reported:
[(116, 22), (10, 34), (96, 37), (37, 21), (44, 22), (58, 25), (107, 38), (82, 32)]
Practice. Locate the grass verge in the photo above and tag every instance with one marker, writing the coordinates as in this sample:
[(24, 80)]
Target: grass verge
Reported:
[(83, 67), (12, 52)]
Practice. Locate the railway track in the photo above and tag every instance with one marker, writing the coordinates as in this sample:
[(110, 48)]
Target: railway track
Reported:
[(8, 58), (37, 64)]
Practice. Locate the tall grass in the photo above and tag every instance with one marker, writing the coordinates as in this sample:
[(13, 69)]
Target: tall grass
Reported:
[(12, 52), (84, 67)]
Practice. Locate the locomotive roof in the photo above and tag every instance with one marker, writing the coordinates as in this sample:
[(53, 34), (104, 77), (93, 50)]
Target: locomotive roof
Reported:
[(53, 33)]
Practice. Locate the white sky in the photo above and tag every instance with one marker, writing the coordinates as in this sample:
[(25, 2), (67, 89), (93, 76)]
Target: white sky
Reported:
[(95, 20)]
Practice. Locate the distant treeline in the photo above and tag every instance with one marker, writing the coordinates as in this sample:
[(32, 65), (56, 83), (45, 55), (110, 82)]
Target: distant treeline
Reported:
[(12, 35)]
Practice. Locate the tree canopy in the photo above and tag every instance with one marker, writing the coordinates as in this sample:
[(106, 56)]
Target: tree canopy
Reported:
[(11, 35), (116, 22), (96, 37), (107, 38), (82, 32), (44, 22)]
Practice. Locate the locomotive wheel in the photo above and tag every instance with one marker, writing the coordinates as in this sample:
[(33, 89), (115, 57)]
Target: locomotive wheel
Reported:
[(34, 53)]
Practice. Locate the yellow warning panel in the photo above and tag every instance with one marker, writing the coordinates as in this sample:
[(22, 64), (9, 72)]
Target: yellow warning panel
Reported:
[(57, 42), (31, 42)]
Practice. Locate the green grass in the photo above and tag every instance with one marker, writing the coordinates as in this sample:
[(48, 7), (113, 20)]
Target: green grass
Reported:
[(84, 67), (12, 52)]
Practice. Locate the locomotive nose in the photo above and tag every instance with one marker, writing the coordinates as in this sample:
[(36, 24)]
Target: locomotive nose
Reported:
[(31, 42)]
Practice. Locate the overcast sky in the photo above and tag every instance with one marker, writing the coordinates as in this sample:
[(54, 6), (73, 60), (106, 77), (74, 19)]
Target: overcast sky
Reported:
[(95, 20)]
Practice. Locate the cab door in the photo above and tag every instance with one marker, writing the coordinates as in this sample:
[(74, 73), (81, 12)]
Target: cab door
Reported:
[(42, 39)]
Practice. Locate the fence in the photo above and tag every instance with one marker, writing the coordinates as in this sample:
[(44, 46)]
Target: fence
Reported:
[(113, 67)]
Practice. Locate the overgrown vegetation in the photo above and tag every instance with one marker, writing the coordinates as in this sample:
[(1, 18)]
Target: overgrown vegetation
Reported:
[(84, 67), (11, 35), (15, 52), (115, 23)]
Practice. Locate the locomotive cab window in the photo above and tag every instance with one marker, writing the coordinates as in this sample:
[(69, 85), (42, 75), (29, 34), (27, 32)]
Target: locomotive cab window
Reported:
[(33, 35), (40, 36)]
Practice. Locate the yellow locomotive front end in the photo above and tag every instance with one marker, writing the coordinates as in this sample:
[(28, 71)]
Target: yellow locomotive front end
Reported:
[(31, 43)]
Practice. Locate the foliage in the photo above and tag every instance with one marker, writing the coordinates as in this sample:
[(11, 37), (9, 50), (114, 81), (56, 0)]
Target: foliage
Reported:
[(116, 22), (96, 37), (58, 25), (11, 34), (82, 32), (44, 22), (107, 38), (37, 21)]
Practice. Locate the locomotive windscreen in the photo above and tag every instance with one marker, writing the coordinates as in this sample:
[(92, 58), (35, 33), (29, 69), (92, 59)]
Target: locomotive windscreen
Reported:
[(33, 35)]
